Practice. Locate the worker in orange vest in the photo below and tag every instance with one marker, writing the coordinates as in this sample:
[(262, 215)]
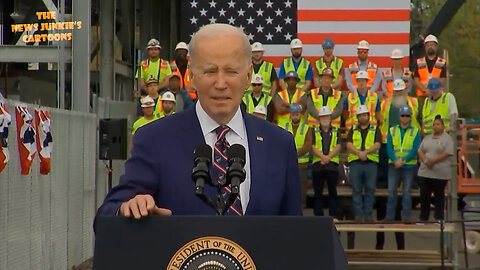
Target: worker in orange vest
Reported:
[(396, 72), (362, 64), (180, 66)]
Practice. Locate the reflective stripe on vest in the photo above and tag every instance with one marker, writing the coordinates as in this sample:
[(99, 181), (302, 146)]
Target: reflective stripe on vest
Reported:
[(265, 71), (319, 144), (301, 70), (402, 148), (249, 104), (425, 76), (386, 105), (441, 108), (369, 142), (335, 65), (162, 69), (388, 77), (285, 117), (371, 71), (317, 100), (354, 102), (299, 139)]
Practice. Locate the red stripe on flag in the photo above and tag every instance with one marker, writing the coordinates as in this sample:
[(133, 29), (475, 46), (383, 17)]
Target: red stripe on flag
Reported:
[(381, 61), (354, 38), (354, 15)]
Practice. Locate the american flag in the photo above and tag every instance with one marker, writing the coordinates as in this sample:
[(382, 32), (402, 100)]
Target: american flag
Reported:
[(274, 23)]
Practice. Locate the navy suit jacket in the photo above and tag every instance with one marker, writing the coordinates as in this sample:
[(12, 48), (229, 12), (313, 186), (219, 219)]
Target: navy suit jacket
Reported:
[(162, 159)]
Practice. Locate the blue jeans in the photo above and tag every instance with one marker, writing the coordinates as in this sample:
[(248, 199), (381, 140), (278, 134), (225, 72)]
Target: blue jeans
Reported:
[(407, 176), (363, 175)]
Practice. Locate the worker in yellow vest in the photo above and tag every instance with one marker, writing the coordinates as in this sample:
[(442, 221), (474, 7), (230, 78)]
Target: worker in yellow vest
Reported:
[(363, 64), (283, 99), (328, 60), (253, 98), (298, 64), (303, 141), (151, 91), (363, 142), (325, 95), (428, 67), (154, 66), (181, 66), (325, 162), (264, 69), (394, 73), (439, 103), (361, 96), (402, 146), (148, 105), (168, 104)]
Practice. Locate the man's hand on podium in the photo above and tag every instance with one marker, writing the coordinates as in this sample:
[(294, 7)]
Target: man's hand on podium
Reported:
[(142, 206)]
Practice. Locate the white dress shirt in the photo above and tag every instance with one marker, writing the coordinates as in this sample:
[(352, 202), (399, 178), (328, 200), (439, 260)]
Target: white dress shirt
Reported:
[(237, 135)]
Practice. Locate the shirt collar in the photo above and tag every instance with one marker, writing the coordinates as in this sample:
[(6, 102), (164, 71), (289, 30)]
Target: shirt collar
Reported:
[(209, 125)]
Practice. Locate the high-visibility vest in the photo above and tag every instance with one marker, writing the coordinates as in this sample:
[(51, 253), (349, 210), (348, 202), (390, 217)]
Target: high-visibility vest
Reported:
[(186, 80), (332, 102), (285, 117), (369, 142), (319, 144), (386, 105), (388, 77), (425, 76), (158, 105), (149, 69), (140, 122), (265, 71), (402, 148), (371, 71), (249, 104), (301, 70), (299, 139), (354, 102), (335, 65), (441, 108), (162, 114)]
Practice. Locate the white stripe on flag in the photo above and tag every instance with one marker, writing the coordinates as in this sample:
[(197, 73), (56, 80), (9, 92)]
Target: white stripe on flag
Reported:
[(353, 27), (353, 4), (340, 50)]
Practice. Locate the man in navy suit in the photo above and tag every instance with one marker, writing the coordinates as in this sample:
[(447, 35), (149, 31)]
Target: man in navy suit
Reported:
[(157, 179)]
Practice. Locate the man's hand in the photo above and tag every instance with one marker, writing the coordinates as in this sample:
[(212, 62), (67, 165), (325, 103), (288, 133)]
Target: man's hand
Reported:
[(325, 159), (398, 163), (362, 155), (140, 206)]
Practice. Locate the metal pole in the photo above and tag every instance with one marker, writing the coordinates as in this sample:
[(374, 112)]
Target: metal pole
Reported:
[(107, 58), (61, 63)]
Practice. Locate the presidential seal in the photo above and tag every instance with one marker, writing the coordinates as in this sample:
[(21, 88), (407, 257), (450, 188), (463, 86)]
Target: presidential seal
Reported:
[(211, 253)]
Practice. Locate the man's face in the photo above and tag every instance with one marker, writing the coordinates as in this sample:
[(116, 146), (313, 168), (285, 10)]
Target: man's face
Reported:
[(295, 117), (363, 118), (181, 54), (405, 119), (431, 48), (291, 82), (148, 111), (152, 88), (362, 54), (257, 87), (257, 56), (325, 120), (362, 83), (328, 51), (297, 52), (153, 52), (259, 115), (174, 83), (326, 80), (397, 93), (168, 105), (220, 74), (397, 62)]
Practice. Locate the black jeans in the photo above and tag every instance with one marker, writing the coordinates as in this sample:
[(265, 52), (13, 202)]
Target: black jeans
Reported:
[(381, 205), (427, 185), (319, 176)]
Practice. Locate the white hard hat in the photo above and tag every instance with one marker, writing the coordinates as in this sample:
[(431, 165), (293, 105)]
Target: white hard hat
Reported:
[(363, 44), (260, 109), (148, 102), (168, 96), (362, 109), (399, 85), (153, 43), (397, 54), (257, 78), (257, 47), (296, 43), (362, 74), (181, 45), (325, 110), (431, 38)]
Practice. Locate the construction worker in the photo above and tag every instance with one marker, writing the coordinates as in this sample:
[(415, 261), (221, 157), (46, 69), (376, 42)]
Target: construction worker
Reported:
[(361, 96), (396, 72), (283, 99), (154, 66), (264, 69), (253, 98), (402, 147), (430, 66), (148, 106), (168, 103), (440, 103), (362, 64), (180, 66), (303, 141), (151, 91), (363, 142), (298, 64), (183, 99), (325, 162), (389, 108), (260, 112), (328, 60), (325, 95)]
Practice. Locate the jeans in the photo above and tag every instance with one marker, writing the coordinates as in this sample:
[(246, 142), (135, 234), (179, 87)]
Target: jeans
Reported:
[(303, 185), (427, 185), (319, 177), (363, 175), (407, 175)]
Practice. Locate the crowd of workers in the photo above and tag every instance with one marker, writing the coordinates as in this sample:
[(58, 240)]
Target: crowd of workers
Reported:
[(392, 123)]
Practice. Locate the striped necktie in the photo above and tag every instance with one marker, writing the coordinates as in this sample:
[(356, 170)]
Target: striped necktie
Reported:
[(220, 163)]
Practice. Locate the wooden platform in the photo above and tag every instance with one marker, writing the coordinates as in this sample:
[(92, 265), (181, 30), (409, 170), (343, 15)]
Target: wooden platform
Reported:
[(390, 227)]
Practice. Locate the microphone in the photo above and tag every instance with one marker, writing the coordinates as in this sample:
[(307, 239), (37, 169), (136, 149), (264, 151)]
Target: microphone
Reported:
[(201, 167), (236, 173)]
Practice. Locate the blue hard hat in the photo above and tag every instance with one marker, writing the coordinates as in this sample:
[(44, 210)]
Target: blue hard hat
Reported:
[(328, 43), (292, 74), (434, 85), (405, 110), (295, 108)]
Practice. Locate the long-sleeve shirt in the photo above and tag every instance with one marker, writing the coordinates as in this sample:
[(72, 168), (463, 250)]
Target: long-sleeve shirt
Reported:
[(411, 154), (363, 66)]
